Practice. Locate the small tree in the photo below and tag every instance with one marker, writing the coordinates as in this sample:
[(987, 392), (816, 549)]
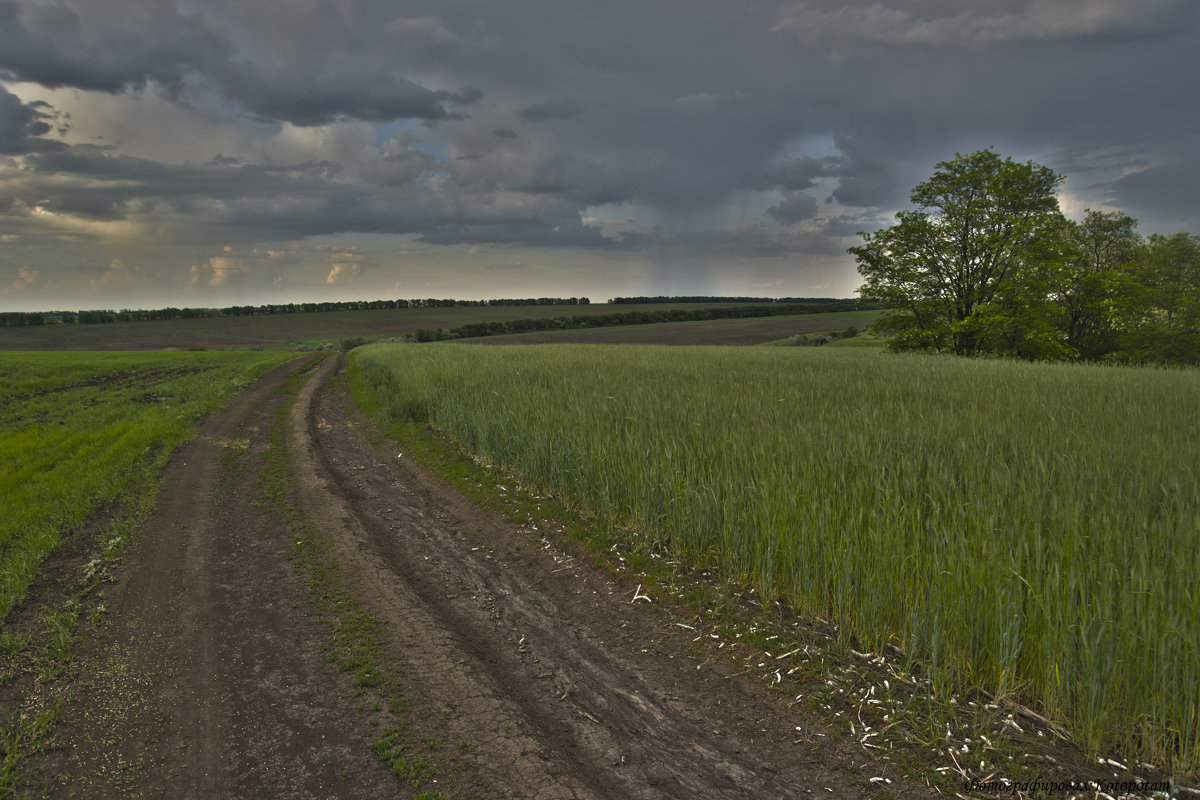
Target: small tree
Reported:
[(953, 263)]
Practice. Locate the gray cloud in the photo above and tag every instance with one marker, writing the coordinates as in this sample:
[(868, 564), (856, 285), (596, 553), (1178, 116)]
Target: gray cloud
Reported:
[(132, 44), (984, 23), (281, 201), (91, 46), (799, 172), (1162, 196), (564, 108), (463, 97), (318, 93), (426, 36), (794, 208)]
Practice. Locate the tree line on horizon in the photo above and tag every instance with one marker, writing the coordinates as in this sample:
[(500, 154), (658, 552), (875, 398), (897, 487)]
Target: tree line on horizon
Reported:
[(986, 264), (105, 316)]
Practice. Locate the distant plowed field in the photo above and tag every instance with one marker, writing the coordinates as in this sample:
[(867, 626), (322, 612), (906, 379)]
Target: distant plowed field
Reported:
[(332, 326)]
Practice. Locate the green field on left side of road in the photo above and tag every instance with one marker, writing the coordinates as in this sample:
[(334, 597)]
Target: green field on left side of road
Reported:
[(79, 431)]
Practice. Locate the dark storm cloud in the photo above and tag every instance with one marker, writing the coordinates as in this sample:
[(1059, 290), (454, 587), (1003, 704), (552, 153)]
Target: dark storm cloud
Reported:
[(316, 94), (107, 47), (131, 44), (22, 126)]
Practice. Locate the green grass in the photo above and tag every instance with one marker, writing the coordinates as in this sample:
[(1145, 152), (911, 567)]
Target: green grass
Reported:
[(80, 432), (1029, 530), (20, 736)]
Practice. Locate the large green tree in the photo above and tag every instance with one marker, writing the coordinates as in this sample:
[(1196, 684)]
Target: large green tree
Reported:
[(958, 267)]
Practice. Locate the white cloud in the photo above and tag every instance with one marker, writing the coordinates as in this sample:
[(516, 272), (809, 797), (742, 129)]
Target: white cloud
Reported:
[(26, 278), (216, 271), (117, 276), (345, 264)]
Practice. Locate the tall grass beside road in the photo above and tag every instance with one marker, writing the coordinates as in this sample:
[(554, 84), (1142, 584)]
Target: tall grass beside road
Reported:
[(79, 431), (1030, 530)]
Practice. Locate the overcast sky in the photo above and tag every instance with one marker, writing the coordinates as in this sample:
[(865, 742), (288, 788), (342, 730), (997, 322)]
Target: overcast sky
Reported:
[(213, 152)]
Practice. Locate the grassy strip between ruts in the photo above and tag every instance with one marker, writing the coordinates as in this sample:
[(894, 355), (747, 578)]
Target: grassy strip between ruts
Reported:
[(355, 643), (955, 716)]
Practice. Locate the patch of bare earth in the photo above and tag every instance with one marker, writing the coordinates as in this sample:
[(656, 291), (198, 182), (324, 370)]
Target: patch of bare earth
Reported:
[(521, 663)]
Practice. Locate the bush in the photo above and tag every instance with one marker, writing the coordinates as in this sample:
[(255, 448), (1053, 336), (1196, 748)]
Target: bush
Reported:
[(807, 340)]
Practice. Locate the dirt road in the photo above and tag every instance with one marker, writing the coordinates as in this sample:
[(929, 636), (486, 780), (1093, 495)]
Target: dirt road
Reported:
[(500, 663)]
